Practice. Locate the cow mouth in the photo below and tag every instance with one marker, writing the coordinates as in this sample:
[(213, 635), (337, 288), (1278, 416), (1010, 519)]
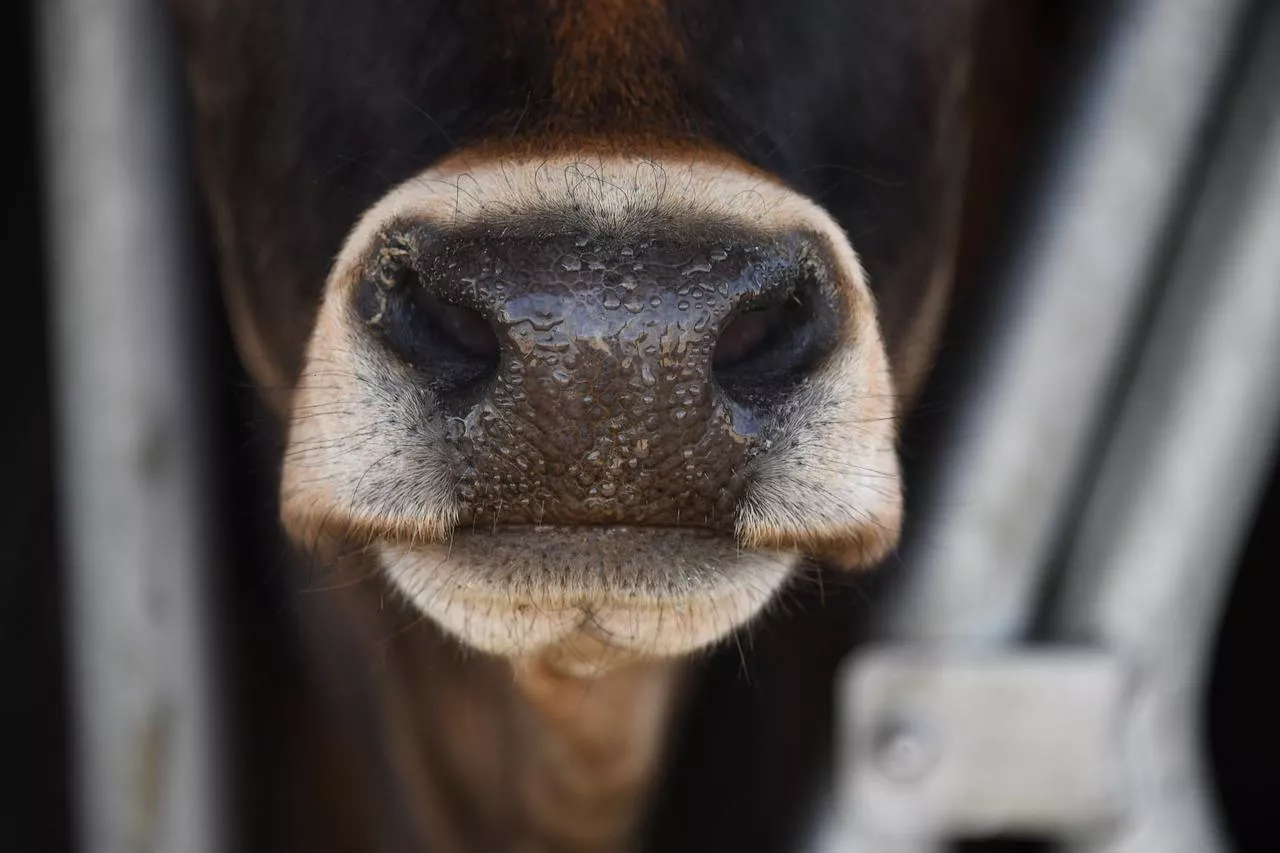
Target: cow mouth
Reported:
[(638, 592)]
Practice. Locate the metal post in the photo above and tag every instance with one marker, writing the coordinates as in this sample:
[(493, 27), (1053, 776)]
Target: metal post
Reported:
[(1183, 474), (1033, 407), (1036, 407), (131, 439)]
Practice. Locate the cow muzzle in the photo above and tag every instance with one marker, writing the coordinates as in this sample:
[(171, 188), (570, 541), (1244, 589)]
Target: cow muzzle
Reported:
[(611, 401)]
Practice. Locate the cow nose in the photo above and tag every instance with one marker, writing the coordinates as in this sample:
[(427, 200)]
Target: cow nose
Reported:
[(598, 380)]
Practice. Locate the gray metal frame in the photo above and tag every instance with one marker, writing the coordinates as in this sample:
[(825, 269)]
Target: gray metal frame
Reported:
[(131, 438), (1184, 453)]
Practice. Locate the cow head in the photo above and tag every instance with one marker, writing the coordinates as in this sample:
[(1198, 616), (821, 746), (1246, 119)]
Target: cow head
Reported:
[(595, 319)]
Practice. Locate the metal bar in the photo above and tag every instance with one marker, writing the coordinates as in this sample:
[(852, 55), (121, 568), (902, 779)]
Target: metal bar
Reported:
[(1184, 472), (973, 571), (131, 439), (1038, 394)]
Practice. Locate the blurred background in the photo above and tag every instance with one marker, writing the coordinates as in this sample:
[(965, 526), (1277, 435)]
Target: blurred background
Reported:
[(1037, 190)]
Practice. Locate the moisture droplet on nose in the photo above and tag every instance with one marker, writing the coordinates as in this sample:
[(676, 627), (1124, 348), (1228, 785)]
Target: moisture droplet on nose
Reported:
[(553, 344), (561, 376), (611, 301), (696, 265), (571, 263), (544, 321)]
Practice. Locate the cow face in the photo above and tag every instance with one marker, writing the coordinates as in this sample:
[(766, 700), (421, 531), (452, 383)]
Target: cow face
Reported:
[(595, 318)]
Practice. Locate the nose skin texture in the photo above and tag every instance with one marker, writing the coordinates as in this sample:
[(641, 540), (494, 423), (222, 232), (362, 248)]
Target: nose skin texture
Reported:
[(432, 426), (603, 400)]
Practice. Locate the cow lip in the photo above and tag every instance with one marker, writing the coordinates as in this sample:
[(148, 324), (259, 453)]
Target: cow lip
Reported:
[(657, 591), (601, 532), (574, 564), (597, 529)]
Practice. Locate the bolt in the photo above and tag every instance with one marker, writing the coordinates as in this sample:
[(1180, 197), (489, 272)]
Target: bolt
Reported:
[(904, 752)]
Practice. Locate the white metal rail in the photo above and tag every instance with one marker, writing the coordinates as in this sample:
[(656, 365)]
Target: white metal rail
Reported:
[(954, 726), (131, 439)]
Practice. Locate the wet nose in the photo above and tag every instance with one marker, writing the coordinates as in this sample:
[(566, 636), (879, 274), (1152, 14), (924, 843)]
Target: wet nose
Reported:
[(588, 379)]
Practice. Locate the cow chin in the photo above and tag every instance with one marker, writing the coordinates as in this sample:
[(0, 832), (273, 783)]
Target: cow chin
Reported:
[(599, 597)]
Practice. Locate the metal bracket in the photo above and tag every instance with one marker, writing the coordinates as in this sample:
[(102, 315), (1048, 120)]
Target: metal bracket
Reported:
[(945, 746)]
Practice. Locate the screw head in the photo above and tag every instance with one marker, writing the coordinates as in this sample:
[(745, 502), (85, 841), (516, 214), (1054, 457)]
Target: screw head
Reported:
[(904, 751)]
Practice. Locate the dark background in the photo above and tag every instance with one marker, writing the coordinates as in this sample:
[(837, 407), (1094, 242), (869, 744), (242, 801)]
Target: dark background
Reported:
[(253, 629)]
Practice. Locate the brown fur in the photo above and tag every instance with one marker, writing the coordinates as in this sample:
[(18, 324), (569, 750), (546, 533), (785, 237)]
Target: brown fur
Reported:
[(472, 753), (616, 64)]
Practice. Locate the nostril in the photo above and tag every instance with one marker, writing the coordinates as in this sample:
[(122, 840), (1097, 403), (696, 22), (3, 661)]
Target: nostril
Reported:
[(742, 336), (452, 347), (460, 327), (766, 350)]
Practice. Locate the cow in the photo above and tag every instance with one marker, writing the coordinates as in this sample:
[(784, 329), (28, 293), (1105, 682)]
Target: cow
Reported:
[(588, 327)]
